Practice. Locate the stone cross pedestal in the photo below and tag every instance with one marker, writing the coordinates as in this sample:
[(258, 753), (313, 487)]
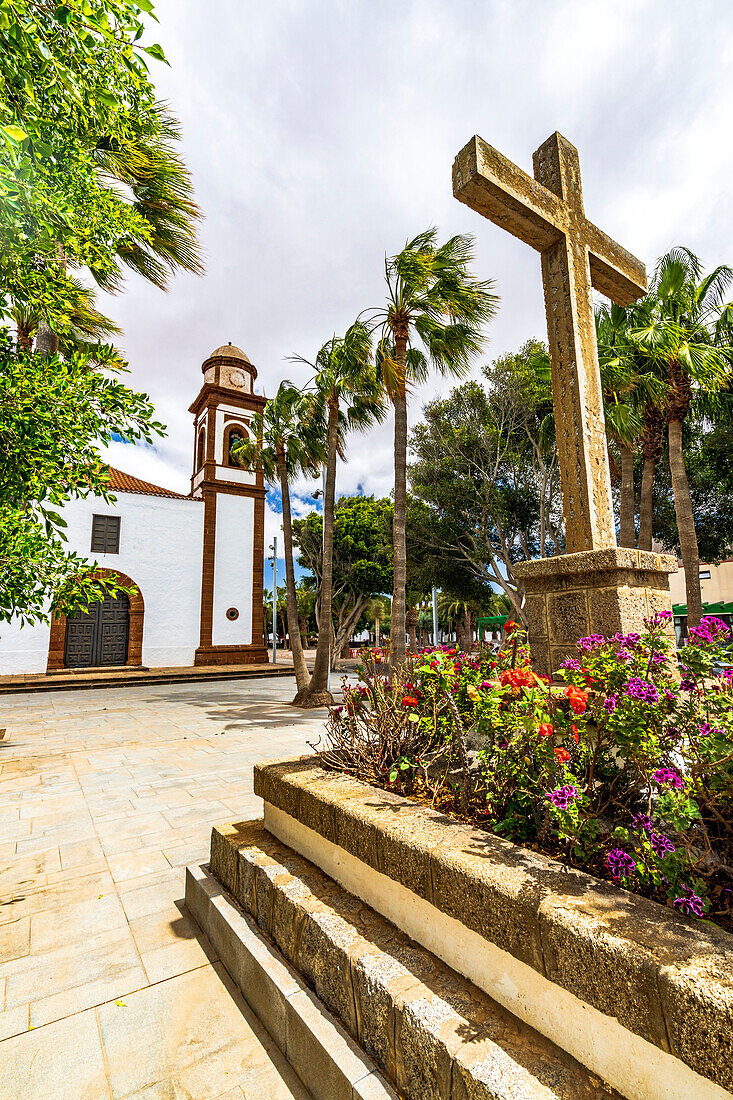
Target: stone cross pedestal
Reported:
[(595, 587)]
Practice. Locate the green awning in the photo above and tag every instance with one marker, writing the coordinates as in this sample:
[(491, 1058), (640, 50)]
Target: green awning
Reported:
[(707, 609)]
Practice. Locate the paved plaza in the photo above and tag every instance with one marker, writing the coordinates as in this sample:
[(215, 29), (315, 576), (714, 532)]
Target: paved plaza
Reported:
[(107, 989)]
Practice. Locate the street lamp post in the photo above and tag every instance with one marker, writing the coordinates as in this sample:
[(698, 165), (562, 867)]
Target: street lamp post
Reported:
[(274, 599), (435, 616), (322, 493)]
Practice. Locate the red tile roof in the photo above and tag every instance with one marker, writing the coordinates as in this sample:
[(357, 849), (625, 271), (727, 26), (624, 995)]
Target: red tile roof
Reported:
[(126, 483)]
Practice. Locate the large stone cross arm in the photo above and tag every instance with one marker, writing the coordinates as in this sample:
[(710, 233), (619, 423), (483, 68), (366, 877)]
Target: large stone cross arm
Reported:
[(495, 187)]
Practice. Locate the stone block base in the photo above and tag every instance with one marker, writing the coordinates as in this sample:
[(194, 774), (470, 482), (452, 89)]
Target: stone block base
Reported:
[(231, 655), (595, 592)]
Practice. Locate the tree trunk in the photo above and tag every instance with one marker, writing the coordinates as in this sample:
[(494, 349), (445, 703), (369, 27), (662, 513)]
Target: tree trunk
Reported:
[(646, 504), (463, 632), (317, 693), (652, 444), (47, 342), (296, 645), (685, 524), (397, 628), (627, 532)]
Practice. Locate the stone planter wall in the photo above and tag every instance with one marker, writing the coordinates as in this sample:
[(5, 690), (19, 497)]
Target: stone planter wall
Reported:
[(640, 996)]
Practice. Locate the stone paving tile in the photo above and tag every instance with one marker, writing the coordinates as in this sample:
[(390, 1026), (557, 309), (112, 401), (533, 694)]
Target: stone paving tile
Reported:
[(105, 797), (63, 1060)]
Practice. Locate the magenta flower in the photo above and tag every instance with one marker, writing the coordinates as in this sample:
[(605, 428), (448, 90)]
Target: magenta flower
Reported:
[(593, 641), (668, 777), (642, 821), (562, 797), (610, 703), (572, 663), (624, 655), (642, 690), (689, 904), (619, 863), (661, 844)]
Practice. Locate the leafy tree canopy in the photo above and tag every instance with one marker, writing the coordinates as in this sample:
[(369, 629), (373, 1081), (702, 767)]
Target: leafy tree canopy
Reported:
[(362, 556), (485, 480), (89, 174), (53, 414)]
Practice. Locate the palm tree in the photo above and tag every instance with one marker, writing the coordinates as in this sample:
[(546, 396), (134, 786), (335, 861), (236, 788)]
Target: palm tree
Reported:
[(434, 316), (376, 612), (157, 185), (687, 332), (347, 386), (286, 440)]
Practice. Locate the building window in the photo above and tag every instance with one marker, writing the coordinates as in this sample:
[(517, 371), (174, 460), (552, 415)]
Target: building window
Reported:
[(105, 534), (200, 449), (704, 574), (236, 435)]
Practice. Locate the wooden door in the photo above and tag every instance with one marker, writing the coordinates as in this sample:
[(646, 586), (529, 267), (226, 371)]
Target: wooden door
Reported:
[(98, 634)]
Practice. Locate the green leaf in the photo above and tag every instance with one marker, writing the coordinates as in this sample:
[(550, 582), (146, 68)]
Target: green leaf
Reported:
[(15, 133), (62, 14), (156, 51)]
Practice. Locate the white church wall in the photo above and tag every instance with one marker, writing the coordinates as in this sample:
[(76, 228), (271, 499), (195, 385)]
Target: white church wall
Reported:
[(233, 569), (23, 649), (160, 550)]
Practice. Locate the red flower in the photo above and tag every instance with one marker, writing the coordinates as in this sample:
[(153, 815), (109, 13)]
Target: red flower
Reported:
[(578, 698), (562, 755), (510, 626), (517, 678), (546, 729), (574, 731), (409, 701)]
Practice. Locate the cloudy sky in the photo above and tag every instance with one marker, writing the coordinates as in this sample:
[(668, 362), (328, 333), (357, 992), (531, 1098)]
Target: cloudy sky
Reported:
[(321, 134)]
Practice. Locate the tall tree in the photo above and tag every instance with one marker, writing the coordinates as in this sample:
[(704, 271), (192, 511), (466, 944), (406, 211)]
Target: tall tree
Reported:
[(53, 415), (347, 385), (485, 481), (287, 439), (89, 170), (631, 388), (688, 333), (434, 317), (362, 560)]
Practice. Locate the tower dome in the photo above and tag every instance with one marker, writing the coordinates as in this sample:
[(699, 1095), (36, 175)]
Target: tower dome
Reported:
[(230, 351), (228, 366)]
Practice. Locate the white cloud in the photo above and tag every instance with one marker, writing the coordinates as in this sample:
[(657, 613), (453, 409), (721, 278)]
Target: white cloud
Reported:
[(321, 135)]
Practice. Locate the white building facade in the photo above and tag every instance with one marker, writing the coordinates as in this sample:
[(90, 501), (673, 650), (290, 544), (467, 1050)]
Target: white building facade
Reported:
[(194, 563)]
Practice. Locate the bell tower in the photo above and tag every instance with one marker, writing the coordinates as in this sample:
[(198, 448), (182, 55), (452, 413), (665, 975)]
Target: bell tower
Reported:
[(234, 513)]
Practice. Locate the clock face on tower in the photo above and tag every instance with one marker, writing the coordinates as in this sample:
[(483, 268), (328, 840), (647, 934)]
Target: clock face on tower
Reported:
[(237, 378)]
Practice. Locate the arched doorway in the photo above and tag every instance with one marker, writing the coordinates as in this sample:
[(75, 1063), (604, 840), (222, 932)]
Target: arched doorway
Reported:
[(108, 633), (98, 634)]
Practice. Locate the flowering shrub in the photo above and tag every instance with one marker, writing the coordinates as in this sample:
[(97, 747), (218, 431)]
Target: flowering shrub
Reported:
[(625, 769)]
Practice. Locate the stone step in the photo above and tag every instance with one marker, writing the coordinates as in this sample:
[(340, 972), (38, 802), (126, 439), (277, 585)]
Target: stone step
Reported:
[(327, 1060), (431, 1032)]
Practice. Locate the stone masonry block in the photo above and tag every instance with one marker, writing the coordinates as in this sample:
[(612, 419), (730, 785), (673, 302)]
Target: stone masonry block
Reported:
[(486, 883), (535, 609), (225, 841), (606, 948), (568, 617), (697, 998)]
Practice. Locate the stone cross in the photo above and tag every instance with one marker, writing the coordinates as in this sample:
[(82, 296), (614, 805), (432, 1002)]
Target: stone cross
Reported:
[(547, 213)]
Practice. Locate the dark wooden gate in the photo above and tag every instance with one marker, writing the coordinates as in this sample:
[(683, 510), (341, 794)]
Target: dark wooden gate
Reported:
[(98, 634)]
